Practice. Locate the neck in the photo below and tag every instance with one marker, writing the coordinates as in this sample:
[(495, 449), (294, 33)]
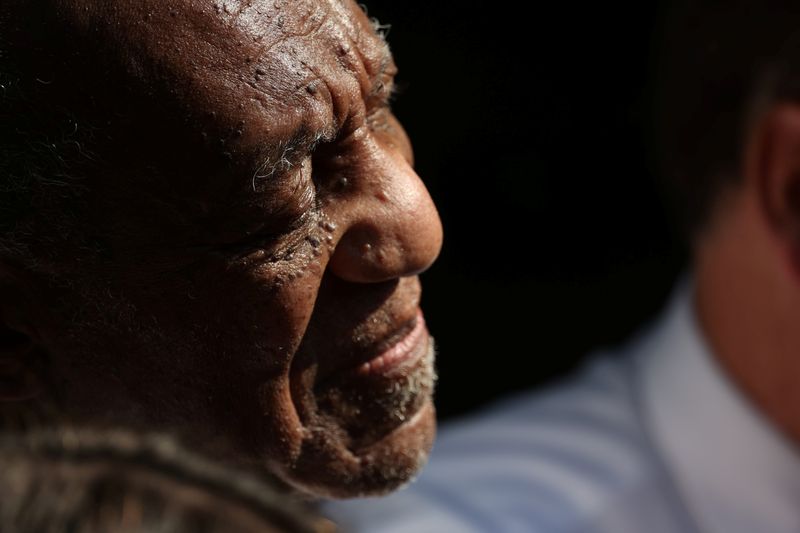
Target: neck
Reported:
[(748, 305)]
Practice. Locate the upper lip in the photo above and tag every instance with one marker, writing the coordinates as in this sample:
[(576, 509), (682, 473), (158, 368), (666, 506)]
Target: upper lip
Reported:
[(358, 355)]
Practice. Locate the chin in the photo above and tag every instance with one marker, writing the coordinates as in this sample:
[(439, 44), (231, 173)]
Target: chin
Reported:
[(327, 470), (365, 434)]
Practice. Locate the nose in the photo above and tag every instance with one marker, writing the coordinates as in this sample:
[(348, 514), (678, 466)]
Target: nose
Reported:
[(390, 227)]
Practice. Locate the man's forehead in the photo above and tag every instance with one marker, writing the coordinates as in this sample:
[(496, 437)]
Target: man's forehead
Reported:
[(200, 85), (240, 59), (250, 25)]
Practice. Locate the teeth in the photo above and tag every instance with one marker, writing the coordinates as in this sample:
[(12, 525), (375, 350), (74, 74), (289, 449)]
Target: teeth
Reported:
[(374, 365)]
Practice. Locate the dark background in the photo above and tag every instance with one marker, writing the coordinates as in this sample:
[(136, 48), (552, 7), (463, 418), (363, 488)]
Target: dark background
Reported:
[(532, 130)]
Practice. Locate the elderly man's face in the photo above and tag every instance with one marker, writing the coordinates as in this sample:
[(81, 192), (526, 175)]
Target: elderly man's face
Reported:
[(261, 236)]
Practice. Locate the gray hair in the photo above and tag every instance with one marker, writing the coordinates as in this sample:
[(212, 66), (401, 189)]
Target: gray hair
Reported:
[(88, 481)]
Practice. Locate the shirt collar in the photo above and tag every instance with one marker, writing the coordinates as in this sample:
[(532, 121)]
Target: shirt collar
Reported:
[(732, 468)]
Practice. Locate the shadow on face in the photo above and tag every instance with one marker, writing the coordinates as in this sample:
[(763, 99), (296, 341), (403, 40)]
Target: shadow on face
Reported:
[(225, 239)]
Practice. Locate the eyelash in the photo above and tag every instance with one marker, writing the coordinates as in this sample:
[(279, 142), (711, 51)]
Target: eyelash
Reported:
[(262, 247), (297, 203)]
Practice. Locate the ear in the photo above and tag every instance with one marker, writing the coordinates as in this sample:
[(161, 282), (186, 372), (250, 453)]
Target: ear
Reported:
[(772, 165), (21, 355)]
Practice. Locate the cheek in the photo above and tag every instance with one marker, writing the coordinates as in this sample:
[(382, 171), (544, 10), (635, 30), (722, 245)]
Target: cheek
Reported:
[(220, 325), (261, 318), (255, 316), (211, 350), (265, 319)]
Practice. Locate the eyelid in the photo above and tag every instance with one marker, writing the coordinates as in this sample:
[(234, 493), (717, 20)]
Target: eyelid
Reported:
[(290, 155), (270, 241)]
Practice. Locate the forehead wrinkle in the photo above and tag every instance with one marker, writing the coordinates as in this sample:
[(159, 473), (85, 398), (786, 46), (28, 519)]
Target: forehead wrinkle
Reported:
[(214, 68), (367, 56), (367, 72), (344, 15), (274, 25), (348, 13)]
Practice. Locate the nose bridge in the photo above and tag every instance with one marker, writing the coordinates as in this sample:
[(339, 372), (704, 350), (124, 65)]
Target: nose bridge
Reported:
[(391, 228)]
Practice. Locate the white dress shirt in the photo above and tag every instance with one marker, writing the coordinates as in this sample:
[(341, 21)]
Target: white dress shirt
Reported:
[(654, 439)]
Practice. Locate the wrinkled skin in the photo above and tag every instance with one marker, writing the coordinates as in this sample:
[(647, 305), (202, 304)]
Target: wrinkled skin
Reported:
[(241, 283)]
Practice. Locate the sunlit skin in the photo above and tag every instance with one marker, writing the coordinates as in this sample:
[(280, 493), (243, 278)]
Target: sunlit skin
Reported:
[(262, 228)]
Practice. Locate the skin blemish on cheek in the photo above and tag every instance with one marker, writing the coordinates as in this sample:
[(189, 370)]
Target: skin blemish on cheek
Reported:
[(314, 242), (328, 228)]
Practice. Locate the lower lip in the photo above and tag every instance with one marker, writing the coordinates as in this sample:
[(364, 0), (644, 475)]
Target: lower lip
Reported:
[(406, 350)]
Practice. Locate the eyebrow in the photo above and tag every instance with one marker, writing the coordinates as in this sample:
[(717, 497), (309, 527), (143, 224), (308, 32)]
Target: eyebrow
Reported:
[(380, 83), (283, 155), (382, 86)]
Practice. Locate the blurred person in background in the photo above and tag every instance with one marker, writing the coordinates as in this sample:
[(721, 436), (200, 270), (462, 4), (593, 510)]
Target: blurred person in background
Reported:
[(694, 425), (210, 226), (58, 481)]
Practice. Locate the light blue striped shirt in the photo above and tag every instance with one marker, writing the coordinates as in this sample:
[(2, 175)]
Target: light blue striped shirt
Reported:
[(653, 439)]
